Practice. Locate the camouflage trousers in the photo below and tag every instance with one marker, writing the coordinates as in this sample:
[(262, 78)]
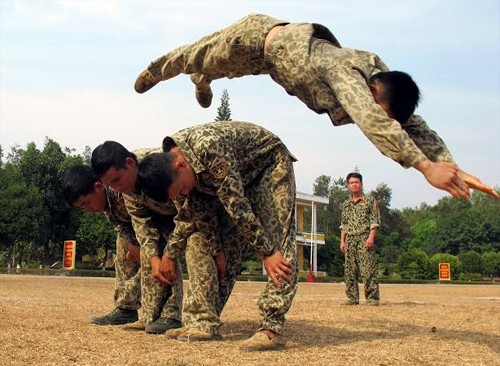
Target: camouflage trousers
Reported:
[(272, 197), (358, 260), (206, 295), (235, 51), (127, 278), (158, 299), (292, 60)]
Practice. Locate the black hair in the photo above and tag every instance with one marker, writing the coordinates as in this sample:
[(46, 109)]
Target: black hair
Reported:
[(156, 174), (400, 92), (354, 175), (110, 154), (167, 144), (78, 181)]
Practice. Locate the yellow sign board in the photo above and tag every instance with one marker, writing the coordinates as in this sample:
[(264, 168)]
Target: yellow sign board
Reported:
[(69, 253), (444, 272)]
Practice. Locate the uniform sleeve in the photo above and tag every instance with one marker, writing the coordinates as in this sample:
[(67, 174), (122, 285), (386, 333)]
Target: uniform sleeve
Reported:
[(343, 218), (189, 221), (146, 233), (374, 214), (183, 228), (122, 229), (385, 133), (427, 140), (126, 232), (231, 193)]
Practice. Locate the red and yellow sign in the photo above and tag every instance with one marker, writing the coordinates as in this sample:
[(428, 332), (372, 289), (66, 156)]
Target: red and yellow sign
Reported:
[(444, 271), (69, 253)]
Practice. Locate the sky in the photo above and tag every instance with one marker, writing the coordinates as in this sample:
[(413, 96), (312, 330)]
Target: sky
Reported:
[(67, 70)]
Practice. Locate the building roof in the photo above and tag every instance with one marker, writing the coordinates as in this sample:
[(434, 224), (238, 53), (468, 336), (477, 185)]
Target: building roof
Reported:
[(307, 199)]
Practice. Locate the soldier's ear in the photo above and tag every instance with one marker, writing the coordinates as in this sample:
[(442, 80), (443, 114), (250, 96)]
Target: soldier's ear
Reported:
[(130, 162), (98, 186), (180, 164)]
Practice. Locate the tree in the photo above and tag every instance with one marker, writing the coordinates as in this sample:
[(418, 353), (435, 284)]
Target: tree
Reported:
[(491, 264), (321, 186), (330, 258), (41, 171), (23, 219), (224, 111), (471, 262), (444, 258), (414, 264), (423, 236), (95, 233)]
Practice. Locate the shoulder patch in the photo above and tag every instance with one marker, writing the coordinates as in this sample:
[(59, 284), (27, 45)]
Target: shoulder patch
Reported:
[(218, 170)]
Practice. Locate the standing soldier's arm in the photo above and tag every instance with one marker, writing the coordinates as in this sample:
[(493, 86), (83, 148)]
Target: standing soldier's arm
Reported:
[(374, 220), (342, 241), (342, 232)]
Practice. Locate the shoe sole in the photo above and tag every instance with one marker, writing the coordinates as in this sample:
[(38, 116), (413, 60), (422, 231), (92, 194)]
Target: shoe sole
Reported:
[(185, 338), (112, 323)]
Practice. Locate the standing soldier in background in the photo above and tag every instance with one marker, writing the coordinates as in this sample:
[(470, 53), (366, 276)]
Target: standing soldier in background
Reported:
[(81, 188), (152, 222), (359, 224), (351, 86)]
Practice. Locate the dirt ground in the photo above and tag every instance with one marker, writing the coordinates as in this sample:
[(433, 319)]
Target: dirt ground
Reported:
[(45, 321)]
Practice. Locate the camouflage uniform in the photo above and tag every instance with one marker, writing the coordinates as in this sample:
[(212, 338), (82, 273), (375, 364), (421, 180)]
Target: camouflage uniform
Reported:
[(153, 222), (127, 274), (358, 218), (308, 61), (211, 231), (250, 172)]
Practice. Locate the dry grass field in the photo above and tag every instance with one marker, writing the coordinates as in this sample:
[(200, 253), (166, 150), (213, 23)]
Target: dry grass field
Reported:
[(45, 321)]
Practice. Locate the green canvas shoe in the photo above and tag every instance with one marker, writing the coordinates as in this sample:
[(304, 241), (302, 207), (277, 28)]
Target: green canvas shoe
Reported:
[(161, 325), (116, 317)]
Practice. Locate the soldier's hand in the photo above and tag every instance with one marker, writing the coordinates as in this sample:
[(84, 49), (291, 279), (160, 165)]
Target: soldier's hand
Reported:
[(220, 263), (155, 269), (276, 265), (167, 269), (133, 253), (370, 244), (444, 176), (342, 247), (475, 183)]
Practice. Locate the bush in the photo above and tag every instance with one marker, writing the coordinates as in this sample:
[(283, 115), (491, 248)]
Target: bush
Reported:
[(470, 277), (394, 276)]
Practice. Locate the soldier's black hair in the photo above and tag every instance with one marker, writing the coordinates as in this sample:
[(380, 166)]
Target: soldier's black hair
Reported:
[(400, 92), (156, 174), (354, 175), (78, 181), (110, 154), (167, 144)]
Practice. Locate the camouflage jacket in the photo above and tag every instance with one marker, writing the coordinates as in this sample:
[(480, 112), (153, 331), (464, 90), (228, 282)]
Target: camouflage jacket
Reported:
[(118, 216), (199, 212), (152, 221), (334, 80), (226, 157), (359, 217)]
